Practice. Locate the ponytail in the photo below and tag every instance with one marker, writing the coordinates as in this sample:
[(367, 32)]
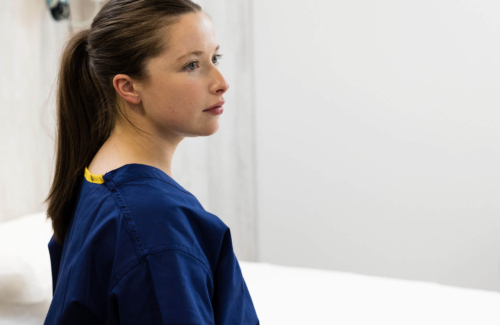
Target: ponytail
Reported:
[(82, 129), (123, 36)]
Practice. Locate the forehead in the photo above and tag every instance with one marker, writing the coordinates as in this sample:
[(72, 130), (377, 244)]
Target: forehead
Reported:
[(193, 32)]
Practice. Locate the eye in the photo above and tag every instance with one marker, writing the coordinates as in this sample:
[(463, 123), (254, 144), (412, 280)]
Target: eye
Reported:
[(190, 68), (218, 56), (190, 65)]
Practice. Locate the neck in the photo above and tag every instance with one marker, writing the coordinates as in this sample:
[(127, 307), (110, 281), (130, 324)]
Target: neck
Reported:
[(127, 145)]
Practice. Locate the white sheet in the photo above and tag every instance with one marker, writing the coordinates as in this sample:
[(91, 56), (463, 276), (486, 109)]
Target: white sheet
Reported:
[(293, 296), (23, 314), (25, 274)]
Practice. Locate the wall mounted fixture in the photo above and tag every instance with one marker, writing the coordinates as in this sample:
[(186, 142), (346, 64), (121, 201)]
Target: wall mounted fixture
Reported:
[(59, 9)]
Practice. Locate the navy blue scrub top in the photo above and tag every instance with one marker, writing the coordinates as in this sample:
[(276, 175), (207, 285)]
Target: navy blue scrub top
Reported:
[(140, 249)]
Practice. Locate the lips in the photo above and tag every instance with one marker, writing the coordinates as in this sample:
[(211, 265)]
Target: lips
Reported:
[(218, 104)]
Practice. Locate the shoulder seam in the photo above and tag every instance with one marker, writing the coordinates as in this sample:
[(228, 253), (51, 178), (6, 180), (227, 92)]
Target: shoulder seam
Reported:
[(128, 220), (161, 251), (183, 249)]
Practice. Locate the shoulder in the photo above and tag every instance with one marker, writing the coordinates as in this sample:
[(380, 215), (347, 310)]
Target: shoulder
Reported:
[(163, 216)]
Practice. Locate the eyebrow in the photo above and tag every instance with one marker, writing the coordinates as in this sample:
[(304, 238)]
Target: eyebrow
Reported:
[(197, 53)]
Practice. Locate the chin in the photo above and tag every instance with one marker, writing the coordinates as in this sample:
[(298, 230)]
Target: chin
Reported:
[(207, 131), (212, 130)]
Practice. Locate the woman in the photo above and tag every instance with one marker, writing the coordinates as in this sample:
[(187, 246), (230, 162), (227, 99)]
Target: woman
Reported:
[(131, 245)]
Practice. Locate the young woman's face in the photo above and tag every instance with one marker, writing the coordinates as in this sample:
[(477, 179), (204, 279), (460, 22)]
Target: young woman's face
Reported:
[(183, 85)]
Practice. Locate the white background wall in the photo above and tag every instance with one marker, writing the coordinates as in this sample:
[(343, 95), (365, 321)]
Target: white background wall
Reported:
[(378, 139), (30, 44)]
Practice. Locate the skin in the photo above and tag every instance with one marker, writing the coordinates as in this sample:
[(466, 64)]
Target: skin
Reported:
[(171, 106)]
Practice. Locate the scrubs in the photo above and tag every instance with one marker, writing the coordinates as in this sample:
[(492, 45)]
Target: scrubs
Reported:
[(140, 249)]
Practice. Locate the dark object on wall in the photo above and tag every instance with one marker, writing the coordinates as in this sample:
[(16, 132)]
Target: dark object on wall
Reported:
[(59, 9)]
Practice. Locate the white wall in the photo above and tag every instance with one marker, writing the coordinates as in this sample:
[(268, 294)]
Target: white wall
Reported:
[(378, 137), (30, 45)]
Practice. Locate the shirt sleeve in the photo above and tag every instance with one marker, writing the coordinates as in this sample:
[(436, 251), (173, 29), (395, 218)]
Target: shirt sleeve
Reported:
[(169, 287), (232, 303), (55, 252)]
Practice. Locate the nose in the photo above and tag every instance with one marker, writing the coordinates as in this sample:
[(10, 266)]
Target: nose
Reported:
[(220, 85)]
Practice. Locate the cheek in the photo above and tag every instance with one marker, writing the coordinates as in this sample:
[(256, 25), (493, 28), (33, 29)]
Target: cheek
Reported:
[(189, 88), (187, 96), (176, 100), (175, 105), (163, 96)]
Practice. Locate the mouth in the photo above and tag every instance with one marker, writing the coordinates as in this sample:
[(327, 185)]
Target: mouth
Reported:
[(216, 105), (216, 110)]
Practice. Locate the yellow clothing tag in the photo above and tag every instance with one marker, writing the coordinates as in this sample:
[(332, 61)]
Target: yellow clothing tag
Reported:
[(93, 178)]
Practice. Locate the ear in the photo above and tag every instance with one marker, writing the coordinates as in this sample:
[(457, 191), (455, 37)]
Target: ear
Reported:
[(124, 86)]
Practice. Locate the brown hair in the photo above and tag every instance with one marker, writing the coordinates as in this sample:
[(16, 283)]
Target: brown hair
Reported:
[(124, 35)]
